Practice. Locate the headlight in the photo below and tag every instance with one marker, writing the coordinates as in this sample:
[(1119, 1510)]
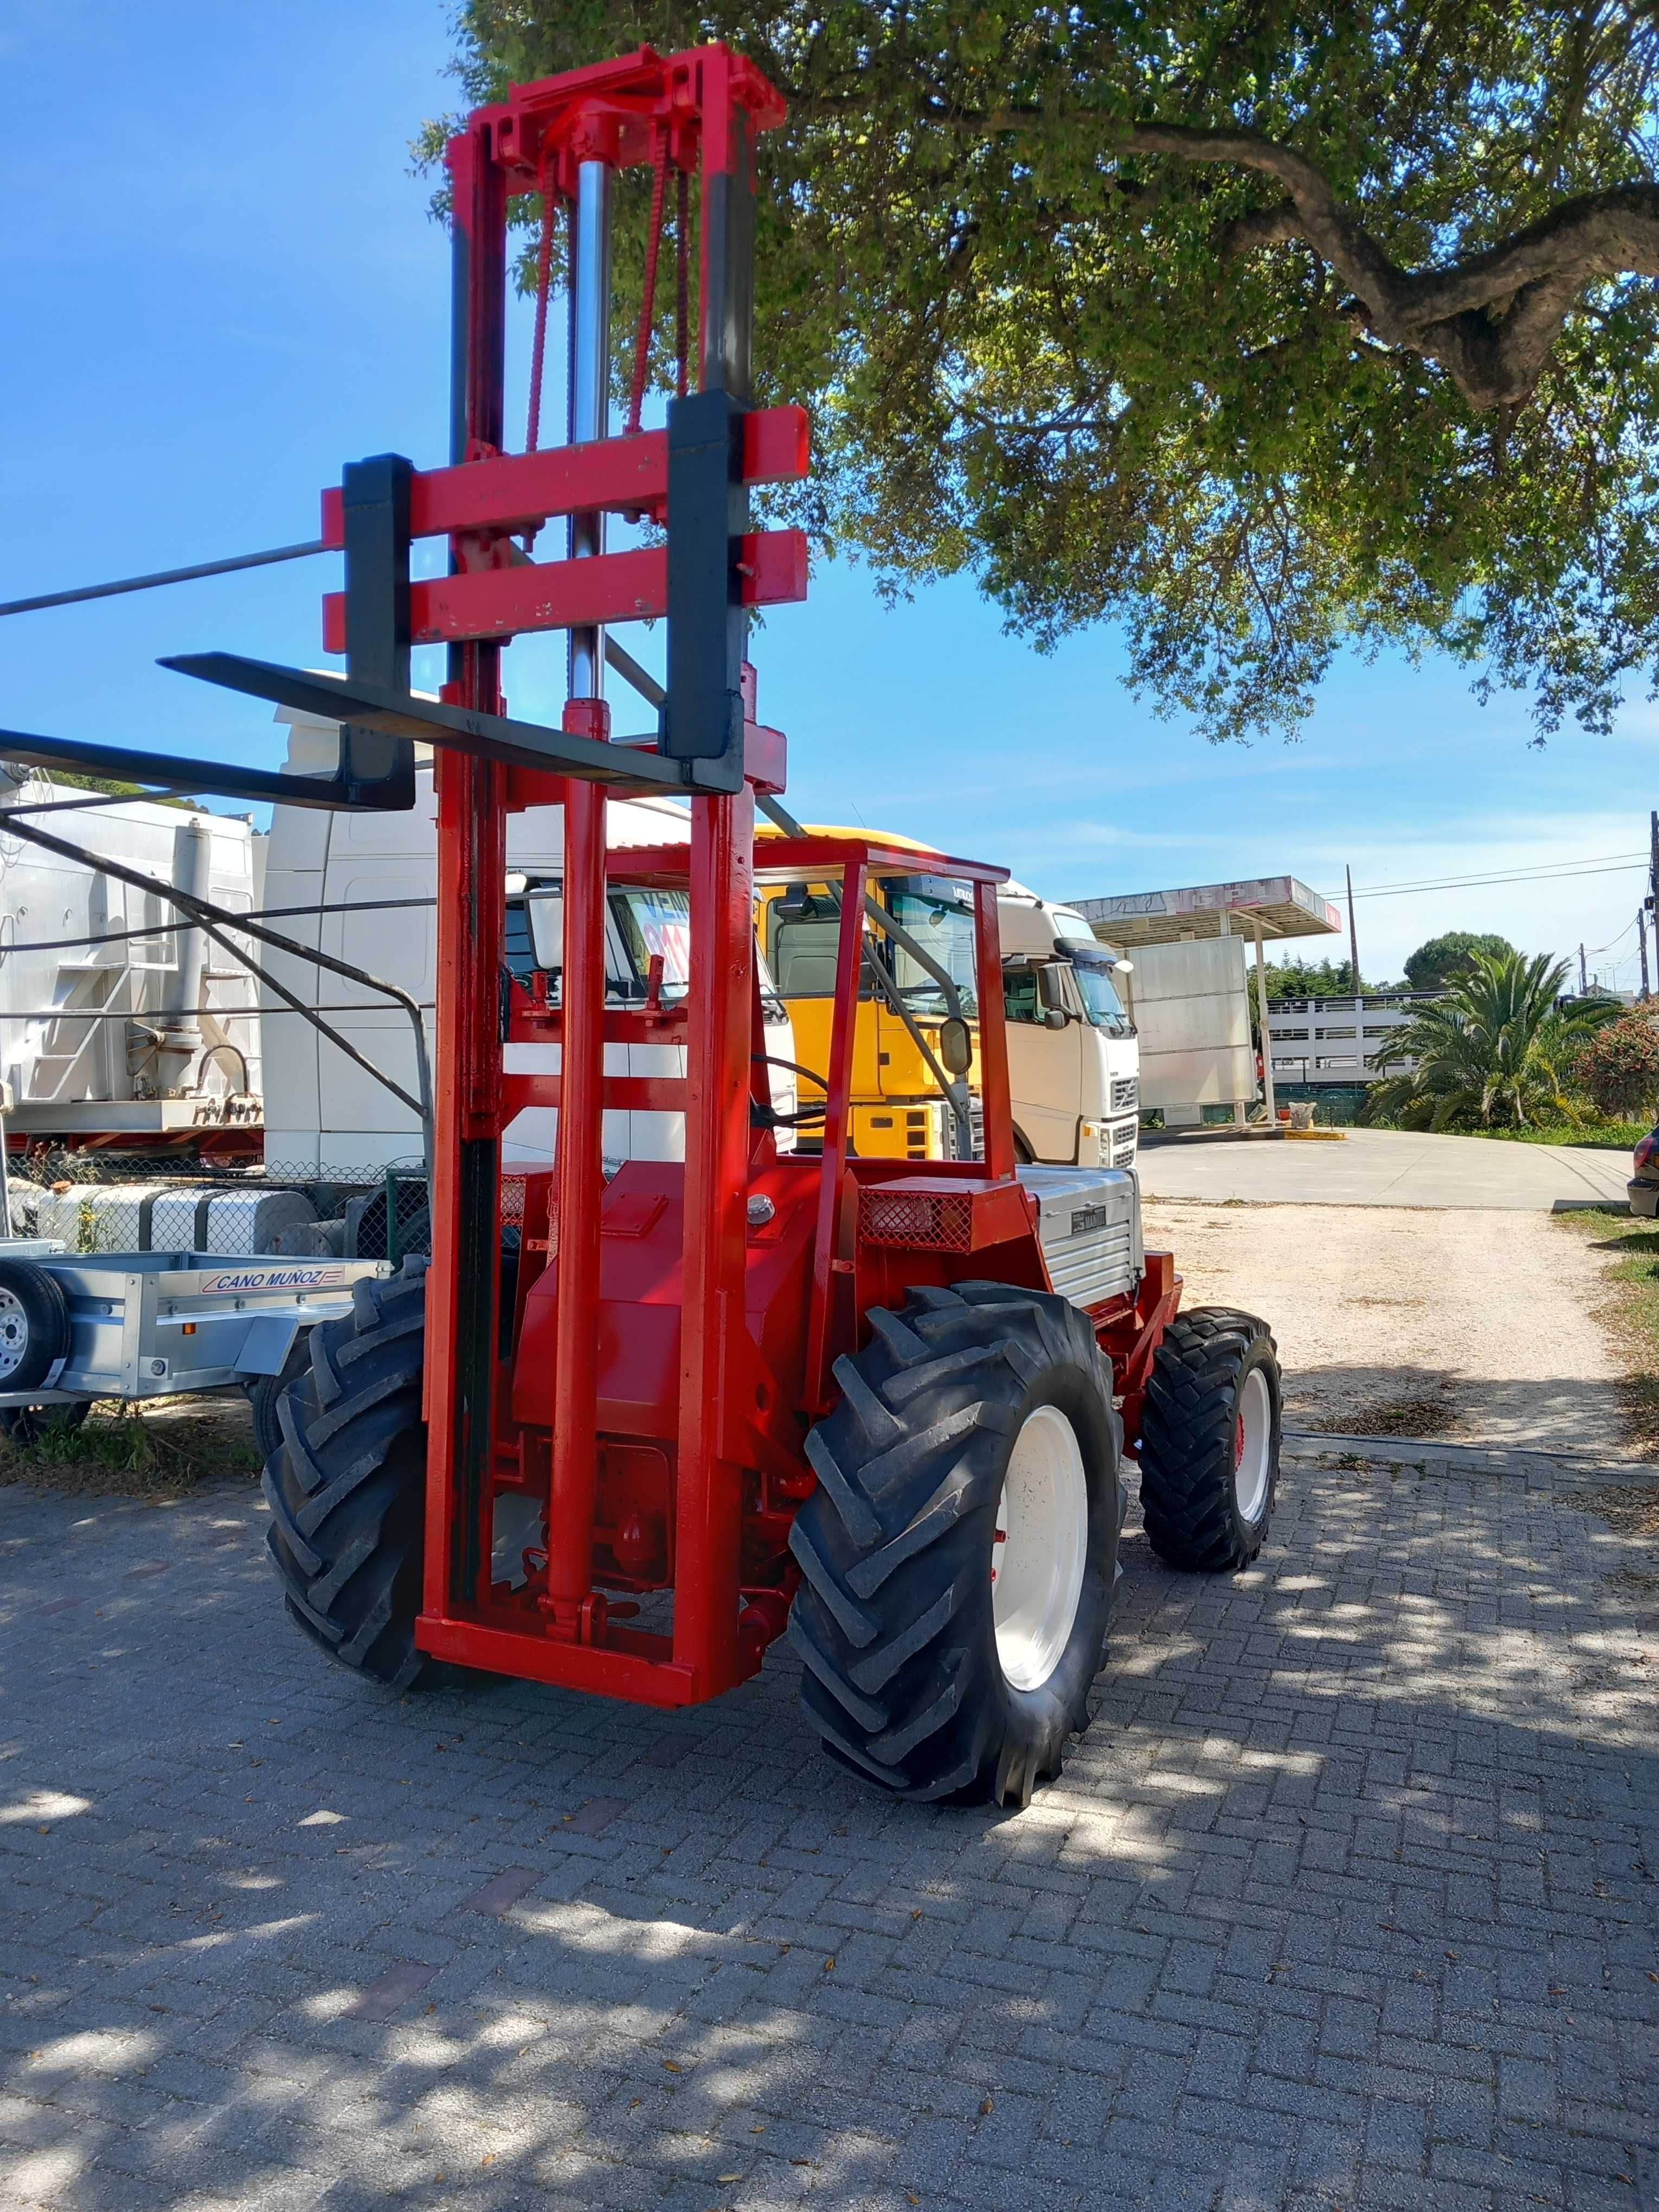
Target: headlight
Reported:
[(1095, 1147)]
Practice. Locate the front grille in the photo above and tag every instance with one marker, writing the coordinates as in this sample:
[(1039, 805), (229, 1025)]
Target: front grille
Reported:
[(1126, 1093), (1123, 1146), (921, 1221), (975, 1130), (1093, 1266)]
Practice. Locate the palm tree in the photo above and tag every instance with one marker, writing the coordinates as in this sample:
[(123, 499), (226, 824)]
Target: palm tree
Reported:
[(1493, 1048)]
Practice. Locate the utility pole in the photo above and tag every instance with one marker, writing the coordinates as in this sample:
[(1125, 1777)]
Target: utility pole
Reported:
[(1584, 981), (1353, 940), (1642, 939)]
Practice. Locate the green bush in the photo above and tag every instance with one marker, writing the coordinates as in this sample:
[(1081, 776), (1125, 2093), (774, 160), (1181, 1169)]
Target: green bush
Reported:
[(1618, 1067)]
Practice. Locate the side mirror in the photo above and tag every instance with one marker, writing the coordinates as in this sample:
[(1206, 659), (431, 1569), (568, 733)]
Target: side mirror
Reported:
[(544, 904), (956, 1046), (1054, 1017), (1051, 992)]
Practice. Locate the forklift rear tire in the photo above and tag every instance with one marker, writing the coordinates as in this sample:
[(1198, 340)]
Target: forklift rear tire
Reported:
[(265, 1395), (1210, 1434), (347, 1488), (959, 1555)]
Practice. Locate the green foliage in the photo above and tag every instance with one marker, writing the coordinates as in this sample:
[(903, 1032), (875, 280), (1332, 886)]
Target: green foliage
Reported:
[(1308, 979), (1619, 1066), (1433, 965), (114, 788), (1492, 1050), (1262, 329)]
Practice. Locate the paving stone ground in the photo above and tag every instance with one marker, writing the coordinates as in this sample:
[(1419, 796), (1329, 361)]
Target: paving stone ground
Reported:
[(1347, 1899)]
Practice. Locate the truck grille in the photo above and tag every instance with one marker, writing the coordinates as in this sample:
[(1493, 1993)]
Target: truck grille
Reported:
[(976, 1128), (1126, 1093)]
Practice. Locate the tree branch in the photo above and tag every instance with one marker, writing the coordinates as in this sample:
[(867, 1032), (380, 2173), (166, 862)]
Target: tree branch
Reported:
[(1490, 320)]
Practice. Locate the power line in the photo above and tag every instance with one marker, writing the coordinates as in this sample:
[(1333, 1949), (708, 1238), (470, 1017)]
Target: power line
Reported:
[(1620, 939), (1522, 876), (1436, 882)]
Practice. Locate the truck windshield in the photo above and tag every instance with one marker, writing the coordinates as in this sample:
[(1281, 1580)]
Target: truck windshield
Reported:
[(642, 923), (1094, 986), (939, 915), (655, 924)]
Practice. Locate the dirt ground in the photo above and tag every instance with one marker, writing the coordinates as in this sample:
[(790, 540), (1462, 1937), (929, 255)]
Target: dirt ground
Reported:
[(1479, 1327)]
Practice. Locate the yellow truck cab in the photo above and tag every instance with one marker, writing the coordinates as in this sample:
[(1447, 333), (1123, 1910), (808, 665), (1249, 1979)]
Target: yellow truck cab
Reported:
[(1073, 1061)]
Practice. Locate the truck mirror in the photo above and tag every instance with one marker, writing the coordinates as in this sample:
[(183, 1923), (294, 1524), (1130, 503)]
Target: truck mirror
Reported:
[(1051, 991), (1054, 1017), (544, 904), (956, 1046)]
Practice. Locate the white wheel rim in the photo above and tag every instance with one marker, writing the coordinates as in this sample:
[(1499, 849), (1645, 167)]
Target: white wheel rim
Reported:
[(1253, 1436), (14, 1333), (1042, 1540)]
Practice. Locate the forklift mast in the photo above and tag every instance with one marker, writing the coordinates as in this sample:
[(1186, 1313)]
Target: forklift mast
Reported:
[(567, 138)]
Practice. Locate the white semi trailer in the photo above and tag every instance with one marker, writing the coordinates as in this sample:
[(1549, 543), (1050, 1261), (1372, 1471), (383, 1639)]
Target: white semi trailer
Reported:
[(115, 1025), (373, 877)]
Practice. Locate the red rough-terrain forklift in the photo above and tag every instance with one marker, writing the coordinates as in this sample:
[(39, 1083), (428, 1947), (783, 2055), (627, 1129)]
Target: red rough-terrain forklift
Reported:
[(625, 1430)]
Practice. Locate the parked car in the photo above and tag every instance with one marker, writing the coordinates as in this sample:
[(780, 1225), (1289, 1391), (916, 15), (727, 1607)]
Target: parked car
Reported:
[(1643, 1185)]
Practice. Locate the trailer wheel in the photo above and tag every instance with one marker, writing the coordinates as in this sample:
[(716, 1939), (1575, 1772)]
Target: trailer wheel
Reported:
[(347, 1489), (1209, 1451), (959, 1555), (28, 1425), (34, 1325)]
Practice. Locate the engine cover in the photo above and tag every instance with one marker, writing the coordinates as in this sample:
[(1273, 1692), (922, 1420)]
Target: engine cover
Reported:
[(1088, 1223)]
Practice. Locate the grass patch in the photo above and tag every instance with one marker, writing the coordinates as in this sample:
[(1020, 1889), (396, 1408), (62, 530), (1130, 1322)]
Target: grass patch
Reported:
[(1596, 1137), (161, 1450), (1630, 1311)]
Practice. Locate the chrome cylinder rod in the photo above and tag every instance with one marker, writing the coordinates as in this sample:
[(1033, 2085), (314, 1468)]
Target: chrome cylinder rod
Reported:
[(589, 382)]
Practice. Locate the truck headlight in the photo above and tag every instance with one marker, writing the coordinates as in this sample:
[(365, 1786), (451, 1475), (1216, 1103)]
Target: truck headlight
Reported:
[(1094, 1149)]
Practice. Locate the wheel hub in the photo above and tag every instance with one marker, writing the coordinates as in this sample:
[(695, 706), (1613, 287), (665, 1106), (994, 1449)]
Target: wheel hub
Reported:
[(1040, 1546), (1252, 1427), (14, 1334)]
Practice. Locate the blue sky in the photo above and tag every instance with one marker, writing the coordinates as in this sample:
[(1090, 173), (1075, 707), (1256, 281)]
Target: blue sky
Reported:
[(221, 280)]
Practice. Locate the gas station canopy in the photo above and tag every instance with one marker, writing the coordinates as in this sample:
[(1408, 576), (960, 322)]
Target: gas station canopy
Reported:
[(1279, 904)]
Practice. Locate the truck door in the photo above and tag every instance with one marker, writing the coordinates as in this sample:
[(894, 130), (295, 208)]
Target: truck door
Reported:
[(1045, 1067)]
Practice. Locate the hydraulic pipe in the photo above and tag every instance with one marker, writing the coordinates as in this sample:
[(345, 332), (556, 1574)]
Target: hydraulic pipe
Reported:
[(181, 1022), (579, 1169), (589, 387)]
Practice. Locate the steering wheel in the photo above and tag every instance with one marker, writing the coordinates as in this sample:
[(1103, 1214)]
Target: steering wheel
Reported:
[(814, 1112)]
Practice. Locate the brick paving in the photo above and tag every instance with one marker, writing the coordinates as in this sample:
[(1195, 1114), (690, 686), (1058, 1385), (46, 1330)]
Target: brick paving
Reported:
[(1348, 1897)]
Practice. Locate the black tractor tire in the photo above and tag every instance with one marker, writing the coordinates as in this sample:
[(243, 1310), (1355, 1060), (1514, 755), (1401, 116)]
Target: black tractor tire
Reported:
[(1204, 1495), (347, 1489), (28, 1425), (34, 1325), (895, 1616)]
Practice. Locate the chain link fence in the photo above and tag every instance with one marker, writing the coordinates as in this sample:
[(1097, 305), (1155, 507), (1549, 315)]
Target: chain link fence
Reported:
[(132, 1203)]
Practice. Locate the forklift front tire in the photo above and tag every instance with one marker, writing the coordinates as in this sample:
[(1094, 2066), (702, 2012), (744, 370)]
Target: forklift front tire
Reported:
[(959, 1555), (347, 1487)]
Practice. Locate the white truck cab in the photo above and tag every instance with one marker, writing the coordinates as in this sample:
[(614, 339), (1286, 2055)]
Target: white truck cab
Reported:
[(1074, 1059)]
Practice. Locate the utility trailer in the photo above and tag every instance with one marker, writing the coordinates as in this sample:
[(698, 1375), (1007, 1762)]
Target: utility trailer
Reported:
[(143, 1325), (747, 1394)]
